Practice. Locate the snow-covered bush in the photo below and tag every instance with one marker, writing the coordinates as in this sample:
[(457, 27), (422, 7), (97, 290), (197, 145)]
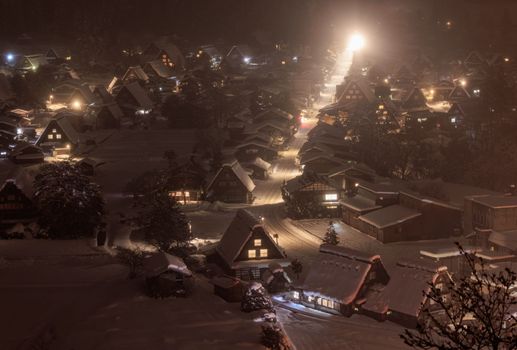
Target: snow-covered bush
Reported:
[(256, 298)]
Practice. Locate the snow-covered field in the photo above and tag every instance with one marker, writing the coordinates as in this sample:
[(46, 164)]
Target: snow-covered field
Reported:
[(90, 304)]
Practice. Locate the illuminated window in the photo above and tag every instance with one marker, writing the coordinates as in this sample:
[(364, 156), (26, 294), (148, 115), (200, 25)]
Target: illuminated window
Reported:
[(381, 106), (310, 298), (257, 242), (58, 136), (263, 253), (187, 194), (331, 197), (54, 130), (50, 136), (252, 253), (296, 295)]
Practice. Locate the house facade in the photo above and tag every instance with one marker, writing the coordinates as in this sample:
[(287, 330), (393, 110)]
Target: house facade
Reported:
[(246, 249), (231, 184), (339, 279)]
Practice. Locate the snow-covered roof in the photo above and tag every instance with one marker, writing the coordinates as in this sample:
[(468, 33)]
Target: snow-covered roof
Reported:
[(506, 239), (389, 216), (339, 273), (495, 201), (261, 163), (359, 203), (306, 179), (405, 291), (161, 262), (158, 68), (137, 72), (238, 233), (241, 174), (138, 94)]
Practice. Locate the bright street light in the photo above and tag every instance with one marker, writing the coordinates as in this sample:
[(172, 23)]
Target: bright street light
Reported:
[(356, 42)]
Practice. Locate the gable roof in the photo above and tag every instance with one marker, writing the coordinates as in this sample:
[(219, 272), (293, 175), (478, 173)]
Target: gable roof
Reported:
[(239, 172), (306, 179), (161, 262), (238, 233), (138, 94), (158, 68), (137, 72), (405, 290), (64, 123), (362, 85), (104, 95), (389, 216), (458, 92), (339, 273)]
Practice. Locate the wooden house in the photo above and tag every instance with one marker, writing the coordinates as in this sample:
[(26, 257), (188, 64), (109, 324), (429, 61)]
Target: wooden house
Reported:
[(58, 55), (107, 116), (102, 95), (355, 90), (133, 100), (363, 197), (135, 73), (490, 213), (414, 99), (238, 56), (260, 169), (317, 192), (474, 60), (15, 205), (339, 279), (392, 223), (231, 184), (25, 152), (166, 275), (404, 76), (167, 53), (59, 133), (458, 94), (250, 150), (30, 63), (186, 182), (74, 94), (88, 166), (156, 70), (246, 249), (403, 300)]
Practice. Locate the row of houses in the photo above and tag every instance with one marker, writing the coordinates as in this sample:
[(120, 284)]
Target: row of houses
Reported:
[(339, 281)]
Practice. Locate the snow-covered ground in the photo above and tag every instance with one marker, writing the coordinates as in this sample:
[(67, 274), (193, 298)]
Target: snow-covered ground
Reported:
[(90, 304)]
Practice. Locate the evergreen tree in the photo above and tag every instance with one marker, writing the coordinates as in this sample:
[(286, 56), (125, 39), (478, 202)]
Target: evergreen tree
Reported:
[(163, 224), (273, 338), (331, 235), (296, 267), (70, 205), (256, 298)]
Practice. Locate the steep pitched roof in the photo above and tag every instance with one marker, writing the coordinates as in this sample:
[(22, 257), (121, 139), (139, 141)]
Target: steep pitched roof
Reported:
[(239, 172), (360, 84), (158, 68), (306, 179), (135, 72), (138, 94), (405, 290), (339, 273), (161, 262), (459, 92), (238, 233)]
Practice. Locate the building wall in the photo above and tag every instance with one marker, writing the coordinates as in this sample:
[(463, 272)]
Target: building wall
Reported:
[(228, 188), (258, 233)]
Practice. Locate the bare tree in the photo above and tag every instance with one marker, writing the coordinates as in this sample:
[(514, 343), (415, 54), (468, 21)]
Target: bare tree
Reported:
[(473, 312)]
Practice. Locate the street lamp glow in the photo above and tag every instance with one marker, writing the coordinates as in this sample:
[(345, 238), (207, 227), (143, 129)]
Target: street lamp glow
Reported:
[(356, 42), (10, 57)]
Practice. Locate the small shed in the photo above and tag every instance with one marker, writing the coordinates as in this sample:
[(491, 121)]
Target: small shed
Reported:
[(228, 288), (260, 168), (166, 275)]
